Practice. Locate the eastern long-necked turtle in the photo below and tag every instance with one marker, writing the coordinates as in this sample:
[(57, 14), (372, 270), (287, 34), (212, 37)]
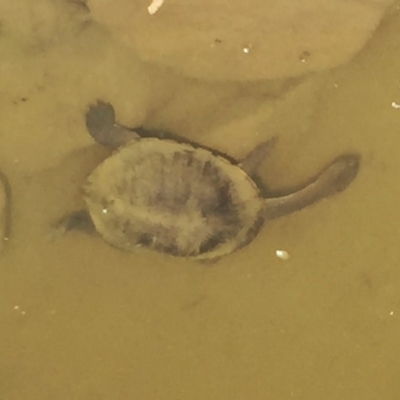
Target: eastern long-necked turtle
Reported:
[(185, 200)]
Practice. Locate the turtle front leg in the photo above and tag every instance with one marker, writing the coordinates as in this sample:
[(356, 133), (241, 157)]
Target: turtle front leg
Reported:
[(102, 126), (253, 160)]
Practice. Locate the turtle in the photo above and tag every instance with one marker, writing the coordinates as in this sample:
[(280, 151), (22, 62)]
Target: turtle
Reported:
[(183, 199)]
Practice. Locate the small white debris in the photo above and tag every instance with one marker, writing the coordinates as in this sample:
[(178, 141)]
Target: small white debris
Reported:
[(391, 313), (395, 105), (104, 210), (154, 6), (246, 49), (305, 56), (282, 254), (18, 308)]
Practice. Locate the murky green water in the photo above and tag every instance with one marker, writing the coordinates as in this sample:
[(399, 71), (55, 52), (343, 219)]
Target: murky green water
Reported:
[(80, 320)]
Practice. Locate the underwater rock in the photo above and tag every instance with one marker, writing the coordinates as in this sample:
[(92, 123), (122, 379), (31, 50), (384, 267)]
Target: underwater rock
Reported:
[(242, 40)]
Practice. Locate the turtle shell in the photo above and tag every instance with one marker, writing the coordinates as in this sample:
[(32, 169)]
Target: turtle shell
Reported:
[(173, 198)]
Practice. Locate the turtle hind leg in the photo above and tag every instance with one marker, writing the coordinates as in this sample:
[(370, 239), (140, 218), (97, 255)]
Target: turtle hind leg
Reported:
[(77, 220), (101, 124)]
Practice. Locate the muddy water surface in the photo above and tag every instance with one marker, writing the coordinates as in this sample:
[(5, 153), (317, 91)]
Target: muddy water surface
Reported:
[(80, 320)]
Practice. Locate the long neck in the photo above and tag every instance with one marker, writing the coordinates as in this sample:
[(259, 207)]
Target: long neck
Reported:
[(279, 206), (331, 180)]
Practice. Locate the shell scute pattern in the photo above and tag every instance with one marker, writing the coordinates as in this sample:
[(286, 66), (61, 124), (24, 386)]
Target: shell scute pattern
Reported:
[(170, 197)]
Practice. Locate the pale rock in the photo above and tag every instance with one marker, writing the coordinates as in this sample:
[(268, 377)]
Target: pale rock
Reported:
[(243, 40)]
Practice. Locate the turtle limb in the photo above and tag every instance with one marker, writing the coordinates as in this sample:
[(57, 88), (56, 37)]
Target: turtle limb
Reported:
[(77, 220), (253, 160), (331, 180), (102, 126)]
